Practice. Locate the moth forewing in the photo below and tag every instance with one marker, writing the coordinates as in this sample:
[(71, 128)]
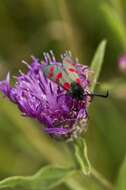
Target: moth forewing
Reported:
[(57, 74), (67, 60)]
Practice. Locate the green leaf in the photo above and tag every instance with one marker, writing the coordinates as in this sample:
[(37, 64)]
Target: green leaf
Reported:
[(46, 178), (121, 180), (96, 63), (81, 156), (115, 22)]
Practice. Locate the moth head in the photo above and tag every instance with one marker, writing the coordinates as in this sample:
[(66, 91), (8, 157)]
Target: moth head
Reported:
[(76, 91)]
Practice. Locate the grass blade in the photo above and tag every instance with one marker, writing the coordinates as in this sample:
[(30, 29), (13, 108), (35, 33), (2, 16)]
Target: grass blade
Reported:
[(96, 63)]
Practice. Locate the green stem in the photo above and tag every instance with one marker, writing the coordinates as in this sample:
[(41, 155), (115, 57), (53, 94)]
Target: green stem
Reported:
[(101, 180)]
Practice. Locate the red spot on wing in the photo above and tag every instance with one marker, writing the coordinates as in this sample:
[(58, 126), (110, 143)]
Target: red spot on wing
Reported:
[(67, 86), (51, 72), (73, 70), (50, 75), (78, 80), (52, 69), (58, 76)]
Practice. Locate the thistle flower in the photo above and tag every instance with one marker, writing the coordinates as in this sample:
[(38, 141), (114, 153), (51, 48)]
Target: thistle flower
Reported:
[(38, 97), (122, 63)]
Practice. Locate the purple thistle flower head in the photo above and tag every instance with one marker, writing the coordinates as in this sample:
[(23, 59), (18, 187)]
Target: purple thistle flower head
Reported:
[(41, 98), (122, 63)]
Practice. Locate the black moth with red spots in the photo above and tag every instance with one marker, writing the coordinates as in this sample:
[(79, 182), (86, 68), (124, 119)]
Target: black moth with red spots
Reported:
[(66, 75)]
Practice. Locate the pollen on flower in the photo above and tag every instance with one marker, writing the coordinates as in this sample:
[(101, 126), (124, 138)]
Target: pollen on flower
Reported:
[(40, 98)]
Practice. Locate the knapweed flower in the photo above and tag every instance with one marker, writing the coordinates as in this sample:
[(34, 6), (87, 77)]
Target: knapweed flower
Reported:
[(122, 63), (47, 101)]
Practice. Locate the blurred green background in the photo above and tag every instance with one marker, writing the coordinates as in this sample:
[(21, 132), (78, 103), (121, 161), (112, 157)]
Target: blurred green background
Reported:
[(29, 27)]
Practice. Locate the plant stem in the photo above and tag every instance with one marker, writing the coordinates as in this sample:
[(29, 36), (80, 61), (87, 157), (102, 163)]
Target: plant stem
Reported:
[(101, 180)]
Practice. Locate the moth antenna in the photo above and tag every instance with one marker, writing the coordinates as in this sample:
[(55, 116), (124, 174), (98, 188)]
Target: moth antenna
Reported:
[(100, 95)]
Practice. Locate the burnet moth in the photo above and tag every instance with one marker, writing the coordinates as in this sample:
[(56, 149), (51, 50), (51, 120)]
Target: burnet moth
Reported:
[(67, 76)]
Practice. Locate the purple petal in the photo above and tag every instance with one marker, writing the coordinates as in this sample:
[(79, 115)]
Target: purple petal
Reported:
[(57, 131)]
